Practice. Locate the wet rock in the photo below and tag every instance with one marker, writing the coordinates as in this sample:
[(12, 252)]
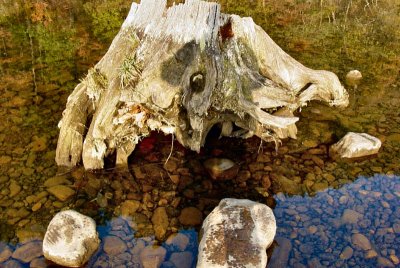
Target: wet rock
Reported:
[(29, 251), (178, 240), (236, 234), (61, 192), (5, 252), (114, 245), (221, 168), (182, 259), (347, 253), (152, 256), (280, 255), (353, 78), (160, 222), (75, 234), (191, 216), (14, 188), (351, 216), (361, 241), (355, 145)]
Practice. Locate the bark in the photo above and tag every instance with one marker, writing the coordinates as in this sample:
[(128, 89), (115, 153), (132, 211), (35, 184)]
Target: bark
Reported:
[(181, 70)]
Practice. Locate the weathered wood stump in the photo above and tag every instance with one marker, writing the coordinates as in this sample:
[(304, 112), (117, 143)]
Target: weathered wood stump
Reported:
[(181, 70)]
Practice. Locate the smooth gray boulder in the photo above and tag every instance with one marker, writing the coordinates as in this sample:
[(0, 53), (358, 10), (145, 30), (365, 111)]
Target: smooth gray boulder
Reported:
[(355, 145), (71, 239), (236, 233)]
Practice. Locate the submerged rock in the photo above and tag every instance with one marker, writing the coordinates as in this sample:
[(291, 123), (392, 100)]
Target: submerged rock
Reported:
[(356, 145), (29, 251), (221, 168), (152, 256), (236, 234), (353, 78), (71, 239)]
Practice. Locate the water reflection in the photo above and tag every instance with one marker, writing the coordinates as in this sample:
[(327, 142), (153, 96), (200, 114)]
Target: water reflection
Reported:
[(119, 248), (357, 225)]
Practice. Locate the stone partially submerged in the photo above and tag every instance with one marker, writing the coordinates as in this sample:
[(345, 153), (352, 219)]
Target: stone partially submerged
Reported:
[(236, 233), (355, 145), (181, 70), (71, 239)]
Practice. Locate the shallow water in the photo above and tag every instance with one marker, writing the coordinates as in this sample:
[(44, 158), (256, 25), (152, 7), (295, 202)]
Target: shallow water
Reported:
[(31, 107)]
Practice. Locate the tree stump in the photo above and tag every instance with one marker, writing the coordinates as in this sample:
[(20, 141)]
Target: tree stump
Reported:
[(181, 70)]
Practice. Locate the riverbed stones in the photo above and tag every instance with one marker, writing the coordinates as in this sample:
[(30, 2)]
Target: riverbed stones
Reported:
[(160, 222), (152, 256), (29, 251), (113, 245), (178, 240), (14, 188), (347, 253), (221, 168), (70, 239), (61, 192), (5, 252), (182, 259), (360, 241), (351, 216), (355, 145), (236, 234), (280, 255)]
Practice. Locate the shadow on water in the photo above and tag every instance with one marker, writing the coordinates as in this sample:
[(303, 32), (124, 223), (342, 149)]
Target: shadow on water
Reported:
[(357, 225)]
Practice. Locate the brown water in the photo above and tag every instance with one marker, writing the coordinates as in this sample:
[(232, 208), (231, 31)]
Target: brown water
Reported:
[(46, 48)]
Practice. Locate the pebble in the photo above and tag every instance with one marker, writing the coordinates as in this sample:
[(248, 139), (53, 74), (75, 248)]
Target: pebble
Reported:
[(113, 245), (160, 222), (383, 262), (182, 259), (347, 253), (371, 254), (191, 216), (360, 241), (14, 188), (5, 252), (129, 207), (36, 207), (152, 256), (351, 216), (12, 264), (61, 192), (38, 263), (29, 251), (178, 240)]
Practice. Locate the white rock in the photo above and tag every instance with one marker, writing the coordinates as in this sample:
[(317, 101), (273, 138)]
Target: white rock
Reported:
[(236, 234), (353, 78), (356, 145), (70, 239)]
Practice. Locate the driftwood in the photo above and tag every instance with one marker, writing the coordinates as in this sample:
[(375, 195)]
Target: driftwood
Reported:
[(181, 70)]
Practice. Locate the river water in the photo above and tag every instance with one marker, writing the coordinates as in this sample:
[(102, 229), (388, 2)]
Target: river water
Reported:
[(330, 213)]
